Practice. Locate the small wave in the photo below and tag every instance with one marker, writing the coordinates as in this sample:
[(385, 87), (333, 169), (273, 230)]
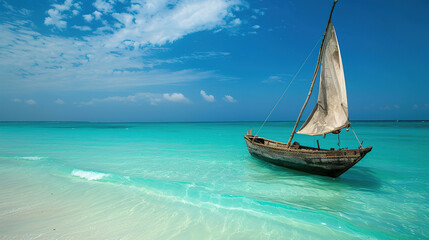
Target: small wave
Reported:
[(32, 158), (89, 175)]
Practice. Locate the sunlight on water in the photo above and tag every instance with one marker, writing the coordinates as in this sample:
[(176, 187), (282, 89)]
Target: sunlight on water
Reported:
[(197, 181)]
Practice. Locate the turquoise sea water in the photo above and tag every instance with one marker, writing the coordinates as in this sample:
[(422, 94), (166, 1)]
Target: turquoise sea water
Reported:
[(72, 180)]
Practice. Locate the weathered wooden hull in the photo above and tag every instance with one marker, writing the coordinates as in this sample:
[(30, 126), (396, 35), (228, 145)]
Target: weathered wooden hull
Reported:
[(331, 163)]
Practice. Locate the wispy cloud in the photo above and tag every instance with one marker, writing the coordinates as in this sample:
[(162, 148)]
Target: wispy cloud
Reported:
[(424, 107), (97, 15), (208, 98), (236, 22), (63, 7), (175, 97), (82, 28), (88, 17), (260, 12), (59, 101), (30, 102), (33, 61), (272, 79), (11, 9), (152, 98), (229, 99), (18, 100), (195, 56), (389, 107), (159, 22), (103, 6), (122, 57)]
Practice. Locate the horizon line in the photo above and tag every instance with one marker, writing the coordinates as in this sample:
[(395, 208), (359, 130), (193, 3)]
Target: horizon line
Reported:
[(232, 121)]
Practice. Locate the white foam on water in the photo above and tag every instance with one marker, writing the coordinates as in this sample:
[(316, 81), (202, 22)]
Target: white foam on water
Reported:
[(89, 175), (32, 158)]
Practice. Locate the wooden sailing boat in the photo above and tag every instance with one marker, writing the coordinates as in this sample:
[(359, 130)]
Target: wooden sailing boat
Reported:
[(330, 115)]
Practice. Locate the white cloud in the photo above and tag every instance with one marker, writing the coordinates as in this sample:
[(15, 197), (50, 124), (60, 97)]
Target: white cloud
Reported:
[(421, 107), (59, 101), (113, 56), (88, 17), (152, 98), (260, 12), (106, 28), (388, 107), (22, 11), (30, 102), (131, 98), (236, 22), (208, 98), (63, 7), (29, 60), (8, 6), (82, 28), (256, 26), (59, 12), (175, 97), (197, 55), (157, 22), (229, 99), (97, 15), (103, 6), (385, 108), (272, 79), (55, 18)]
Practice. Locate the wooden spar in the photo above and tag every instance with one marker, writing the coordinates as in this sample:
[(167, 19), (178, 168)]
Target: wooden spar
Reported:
[(319, 60)]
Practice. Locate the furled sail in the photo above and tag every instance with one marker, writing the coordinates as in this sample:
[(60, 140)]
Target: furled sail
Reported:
[(331, 111)]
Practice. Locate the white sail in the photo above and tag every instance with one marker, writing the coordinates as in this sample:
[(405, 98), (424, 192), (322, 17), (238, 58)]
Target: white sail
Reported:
[(331, 111)]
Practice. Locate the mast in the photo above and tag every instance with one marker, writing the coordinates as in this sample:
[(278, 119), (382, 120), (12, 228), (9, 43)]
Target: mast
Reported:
[(316, 71)]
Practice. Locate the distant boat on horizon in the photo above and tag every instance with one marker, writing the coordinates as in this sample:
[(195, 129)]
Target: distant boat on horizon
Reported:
[(330, 115)]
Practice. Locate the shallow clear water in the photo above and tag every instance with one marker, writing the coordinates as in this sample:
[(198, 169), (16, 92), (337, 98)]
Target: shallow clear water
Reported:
[(197, 181)]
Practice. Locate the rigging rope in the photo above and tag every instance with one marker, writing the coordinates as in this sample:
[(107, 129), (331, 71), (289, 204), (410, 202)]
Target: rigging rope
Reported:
[(272, 110), (360, 144)]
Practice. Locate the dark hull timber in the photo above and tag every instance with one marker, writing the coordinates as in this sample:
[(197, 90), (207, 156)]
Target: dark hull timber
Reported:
[(323, 162)]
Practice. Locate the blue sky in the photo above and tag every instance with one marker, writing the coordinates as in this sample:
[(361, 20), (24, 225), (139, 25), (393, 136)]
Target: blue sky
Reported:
[(205, 60)]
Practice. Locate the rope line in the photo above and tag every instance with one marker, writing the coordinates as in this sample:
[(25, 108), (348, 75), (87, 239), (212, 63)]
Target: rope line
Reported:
[(272, 110), (360, 144)]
